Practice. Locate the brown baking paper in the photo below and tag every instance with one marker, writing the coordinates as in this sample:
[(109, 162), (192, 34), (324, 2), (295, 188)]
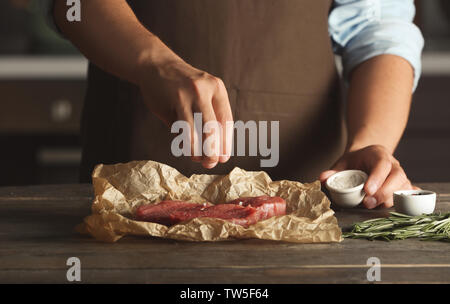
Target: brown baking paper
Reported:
[(121, 188)]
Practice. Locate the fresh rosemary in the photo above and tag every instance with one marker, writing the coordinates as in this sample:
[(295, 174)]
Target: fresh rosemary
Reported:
[(432, 227)]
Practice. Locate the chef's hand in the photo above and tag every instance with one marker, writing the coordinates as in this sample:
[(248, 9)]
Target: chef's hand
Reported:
[(119, 44), (385, 174), (175, 91)]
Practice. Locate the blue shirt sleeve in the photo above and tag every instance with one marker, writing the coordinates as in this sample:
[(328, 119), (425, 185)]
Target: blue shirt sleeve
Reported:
[(362, 29)]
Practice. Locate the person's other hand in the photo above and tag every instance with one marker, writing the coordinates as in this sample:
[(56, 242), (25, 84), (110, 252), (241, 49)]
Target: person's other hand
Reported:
[(175, 91), (385, 174)]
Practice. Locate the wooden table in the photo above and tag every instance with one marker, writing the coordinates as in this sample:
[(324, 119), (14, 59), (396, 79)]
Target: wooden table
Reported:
[(37, 238)]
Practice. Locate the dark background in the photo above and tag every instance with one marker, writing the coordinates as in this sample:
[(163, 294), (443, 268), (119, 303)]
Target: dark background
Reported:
[(42, 85)]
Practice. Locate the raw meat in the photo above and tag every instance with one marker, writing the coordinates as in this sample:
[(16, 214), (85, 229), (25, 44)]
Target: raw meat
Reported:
[(234, 213), (243, 211), (161, 213), (267, 206)]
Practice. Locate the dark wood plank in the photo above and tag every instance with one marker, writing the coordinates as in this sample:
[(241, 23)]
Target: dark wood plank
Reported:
[(37, 237), (47, 192), (40, 254), (230, 276)]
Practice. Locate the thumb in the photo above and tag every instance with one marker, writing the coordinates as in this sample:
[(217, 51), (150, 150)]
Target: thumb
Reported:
[(338, 166), (326, 174)]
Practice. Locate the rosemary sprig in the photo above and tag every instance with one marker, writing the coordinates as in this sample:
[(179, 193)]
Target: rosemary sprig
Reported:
[(432, 227)]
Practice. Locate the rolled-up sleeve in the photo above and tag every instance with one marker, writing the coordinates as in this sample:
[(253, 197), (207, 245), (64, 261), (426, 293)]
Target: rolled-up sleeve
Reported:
[(362, 29)]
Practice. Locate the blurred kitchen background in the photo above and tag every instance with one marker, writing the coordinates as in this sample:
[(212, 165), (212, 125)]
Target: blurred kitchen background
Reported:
[(42, 86)]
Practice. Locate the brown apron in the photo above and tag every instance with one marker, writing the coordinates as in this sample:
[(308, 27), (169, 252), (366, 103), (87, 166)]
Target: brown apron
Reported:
[(276, 61)]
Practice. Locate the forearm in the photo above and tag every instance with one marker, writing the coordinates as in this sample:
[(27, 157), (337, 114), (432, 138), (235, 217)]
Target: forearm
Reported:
[(379, 100), (110, 35)]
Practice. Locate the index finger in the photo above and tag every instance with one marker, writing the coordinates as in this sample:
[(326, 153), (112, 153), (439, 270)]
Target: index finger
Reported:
[(224, 116)]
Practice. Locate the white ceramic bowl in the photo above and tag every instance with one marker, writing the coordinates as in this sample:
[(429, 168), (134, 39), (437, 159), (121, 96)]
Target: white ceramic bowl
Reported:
[(414, 202), (348, 197)]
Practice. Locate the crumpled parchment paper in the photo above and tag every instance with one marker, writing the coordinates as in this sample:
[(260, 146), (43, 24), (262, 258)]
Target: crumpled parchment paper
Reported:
[(121, 188)]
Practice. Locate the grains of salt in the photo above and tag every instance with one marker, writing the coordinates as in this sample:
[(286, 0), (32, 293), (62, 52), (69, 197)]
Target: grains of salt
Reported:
[(344, 182)]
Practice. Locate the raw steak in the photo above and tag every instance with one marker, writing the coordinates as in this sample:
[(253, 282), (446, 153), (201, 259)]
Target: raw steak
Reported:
[(161, 213), (243, 211), (267, 206), (234, 213)]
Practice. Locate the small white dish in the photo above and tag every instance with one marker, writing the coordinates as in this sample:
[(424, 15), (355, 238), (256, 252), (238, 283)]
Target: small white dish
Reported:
[(414, 202), (346, 188)]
